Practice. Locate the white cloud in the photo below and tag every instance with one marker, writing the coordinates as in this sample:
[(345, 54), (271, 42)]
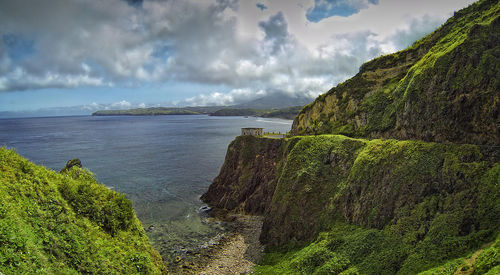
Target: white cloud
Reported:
[(19, 79), (231, 43), (122, 105), (218, 99)]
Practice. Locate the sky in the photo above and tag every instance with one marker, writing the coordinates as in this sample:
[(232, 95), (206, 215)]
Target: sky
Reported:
[(77, 56)]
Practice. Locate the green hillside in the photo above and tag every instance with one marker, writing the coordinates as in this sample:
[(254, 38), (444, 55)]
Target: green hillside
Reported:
[(333, 203), (384, 207), (445, 88), (52, 223)]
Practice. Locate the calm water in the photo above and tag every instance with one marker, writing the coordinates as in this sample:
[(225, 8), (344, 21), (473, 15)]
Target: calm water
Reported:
[(162, 163)]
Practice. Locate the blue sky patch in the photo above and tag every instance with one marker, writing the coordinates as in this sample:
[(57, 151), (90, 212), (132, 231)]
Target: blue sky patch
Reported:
[(18, 47), (163, 51), (327, 8), (261, 6)]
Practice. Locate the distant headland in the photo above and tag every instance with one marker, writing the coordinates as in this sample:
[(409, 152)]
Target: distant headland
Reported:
[(285, 113)]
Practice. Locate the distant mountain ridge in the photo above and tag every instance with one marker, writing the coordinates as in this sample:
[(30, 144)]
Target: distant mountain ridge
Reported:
[(277, 100), (279, 105)]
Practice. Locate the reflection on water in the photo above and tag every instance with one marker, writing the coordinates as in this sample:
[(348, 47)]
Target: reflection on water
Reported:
[(162, 163)]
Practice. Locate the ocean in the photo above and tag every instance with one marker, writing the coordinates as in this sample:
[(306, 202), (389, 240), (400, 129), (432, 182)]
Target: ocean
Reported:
[(162, 163)]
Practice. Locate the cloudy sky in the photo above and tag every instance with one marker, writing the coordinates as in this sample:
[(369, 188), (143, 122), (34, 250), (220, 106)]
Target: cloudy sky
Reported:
[(134, 53)]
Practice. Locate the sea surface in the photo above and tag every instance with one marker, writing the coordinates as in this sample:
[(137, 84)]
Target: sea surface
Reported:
[(162, 163)]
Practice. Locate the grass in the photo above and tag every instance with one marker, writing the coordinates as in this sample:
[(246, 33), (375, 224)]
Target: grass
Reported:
[(379, 206), (350, 249), (52, 223)]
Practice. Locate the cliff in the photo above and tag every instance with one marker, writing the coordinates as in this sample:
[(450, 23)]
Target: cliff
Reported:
[(376, 183), (246, 181), (411, 185), (421, 204), (445, 88), (67, 223)]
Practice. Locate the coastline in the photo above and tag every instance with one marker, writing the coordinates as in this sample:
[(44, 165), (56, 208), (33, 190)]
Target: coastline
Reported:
[(235, 251)]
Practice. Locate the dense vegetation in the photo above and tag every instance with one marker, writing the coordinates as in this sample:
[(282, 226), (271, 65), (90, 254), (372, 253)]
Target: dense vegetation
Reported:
[(67, 223), (446, 87), (333, 203), (349, 249), (385, 206)]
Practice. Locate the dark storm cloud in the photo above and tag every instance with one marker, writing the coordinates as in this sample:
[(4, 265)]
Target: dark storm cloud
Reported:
[(276, 32), (134, 3), (66, 35)]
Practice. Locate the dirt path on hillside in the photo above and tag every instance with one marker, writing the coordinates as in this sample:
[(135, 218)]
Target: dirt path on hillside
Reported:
[(468, 267)]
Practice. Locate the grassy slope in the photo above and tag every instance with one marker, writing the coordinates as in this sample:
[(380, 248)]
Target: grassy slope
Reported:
[(349, 249), (443, 88), (53, 223), (383, 206)]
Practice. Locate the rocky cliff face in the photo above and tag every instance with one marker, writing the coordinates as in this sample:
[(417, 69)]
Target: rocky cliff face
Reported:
[(246, 181), (445, 88)]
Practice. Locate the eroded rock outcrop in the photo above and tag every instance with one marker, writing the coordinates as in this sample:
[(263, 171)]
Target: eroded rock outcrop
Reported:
[(246, 181), (71, 163)]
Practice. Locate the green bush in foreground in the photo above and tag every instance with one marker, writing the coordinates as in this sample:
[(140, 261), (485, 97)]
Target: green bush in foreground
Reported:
[(67, 223)]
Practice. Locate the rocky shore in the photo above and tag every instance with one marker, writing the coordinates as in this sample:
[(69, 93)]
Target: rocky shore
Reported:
[(239, 252), (225, 244)]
